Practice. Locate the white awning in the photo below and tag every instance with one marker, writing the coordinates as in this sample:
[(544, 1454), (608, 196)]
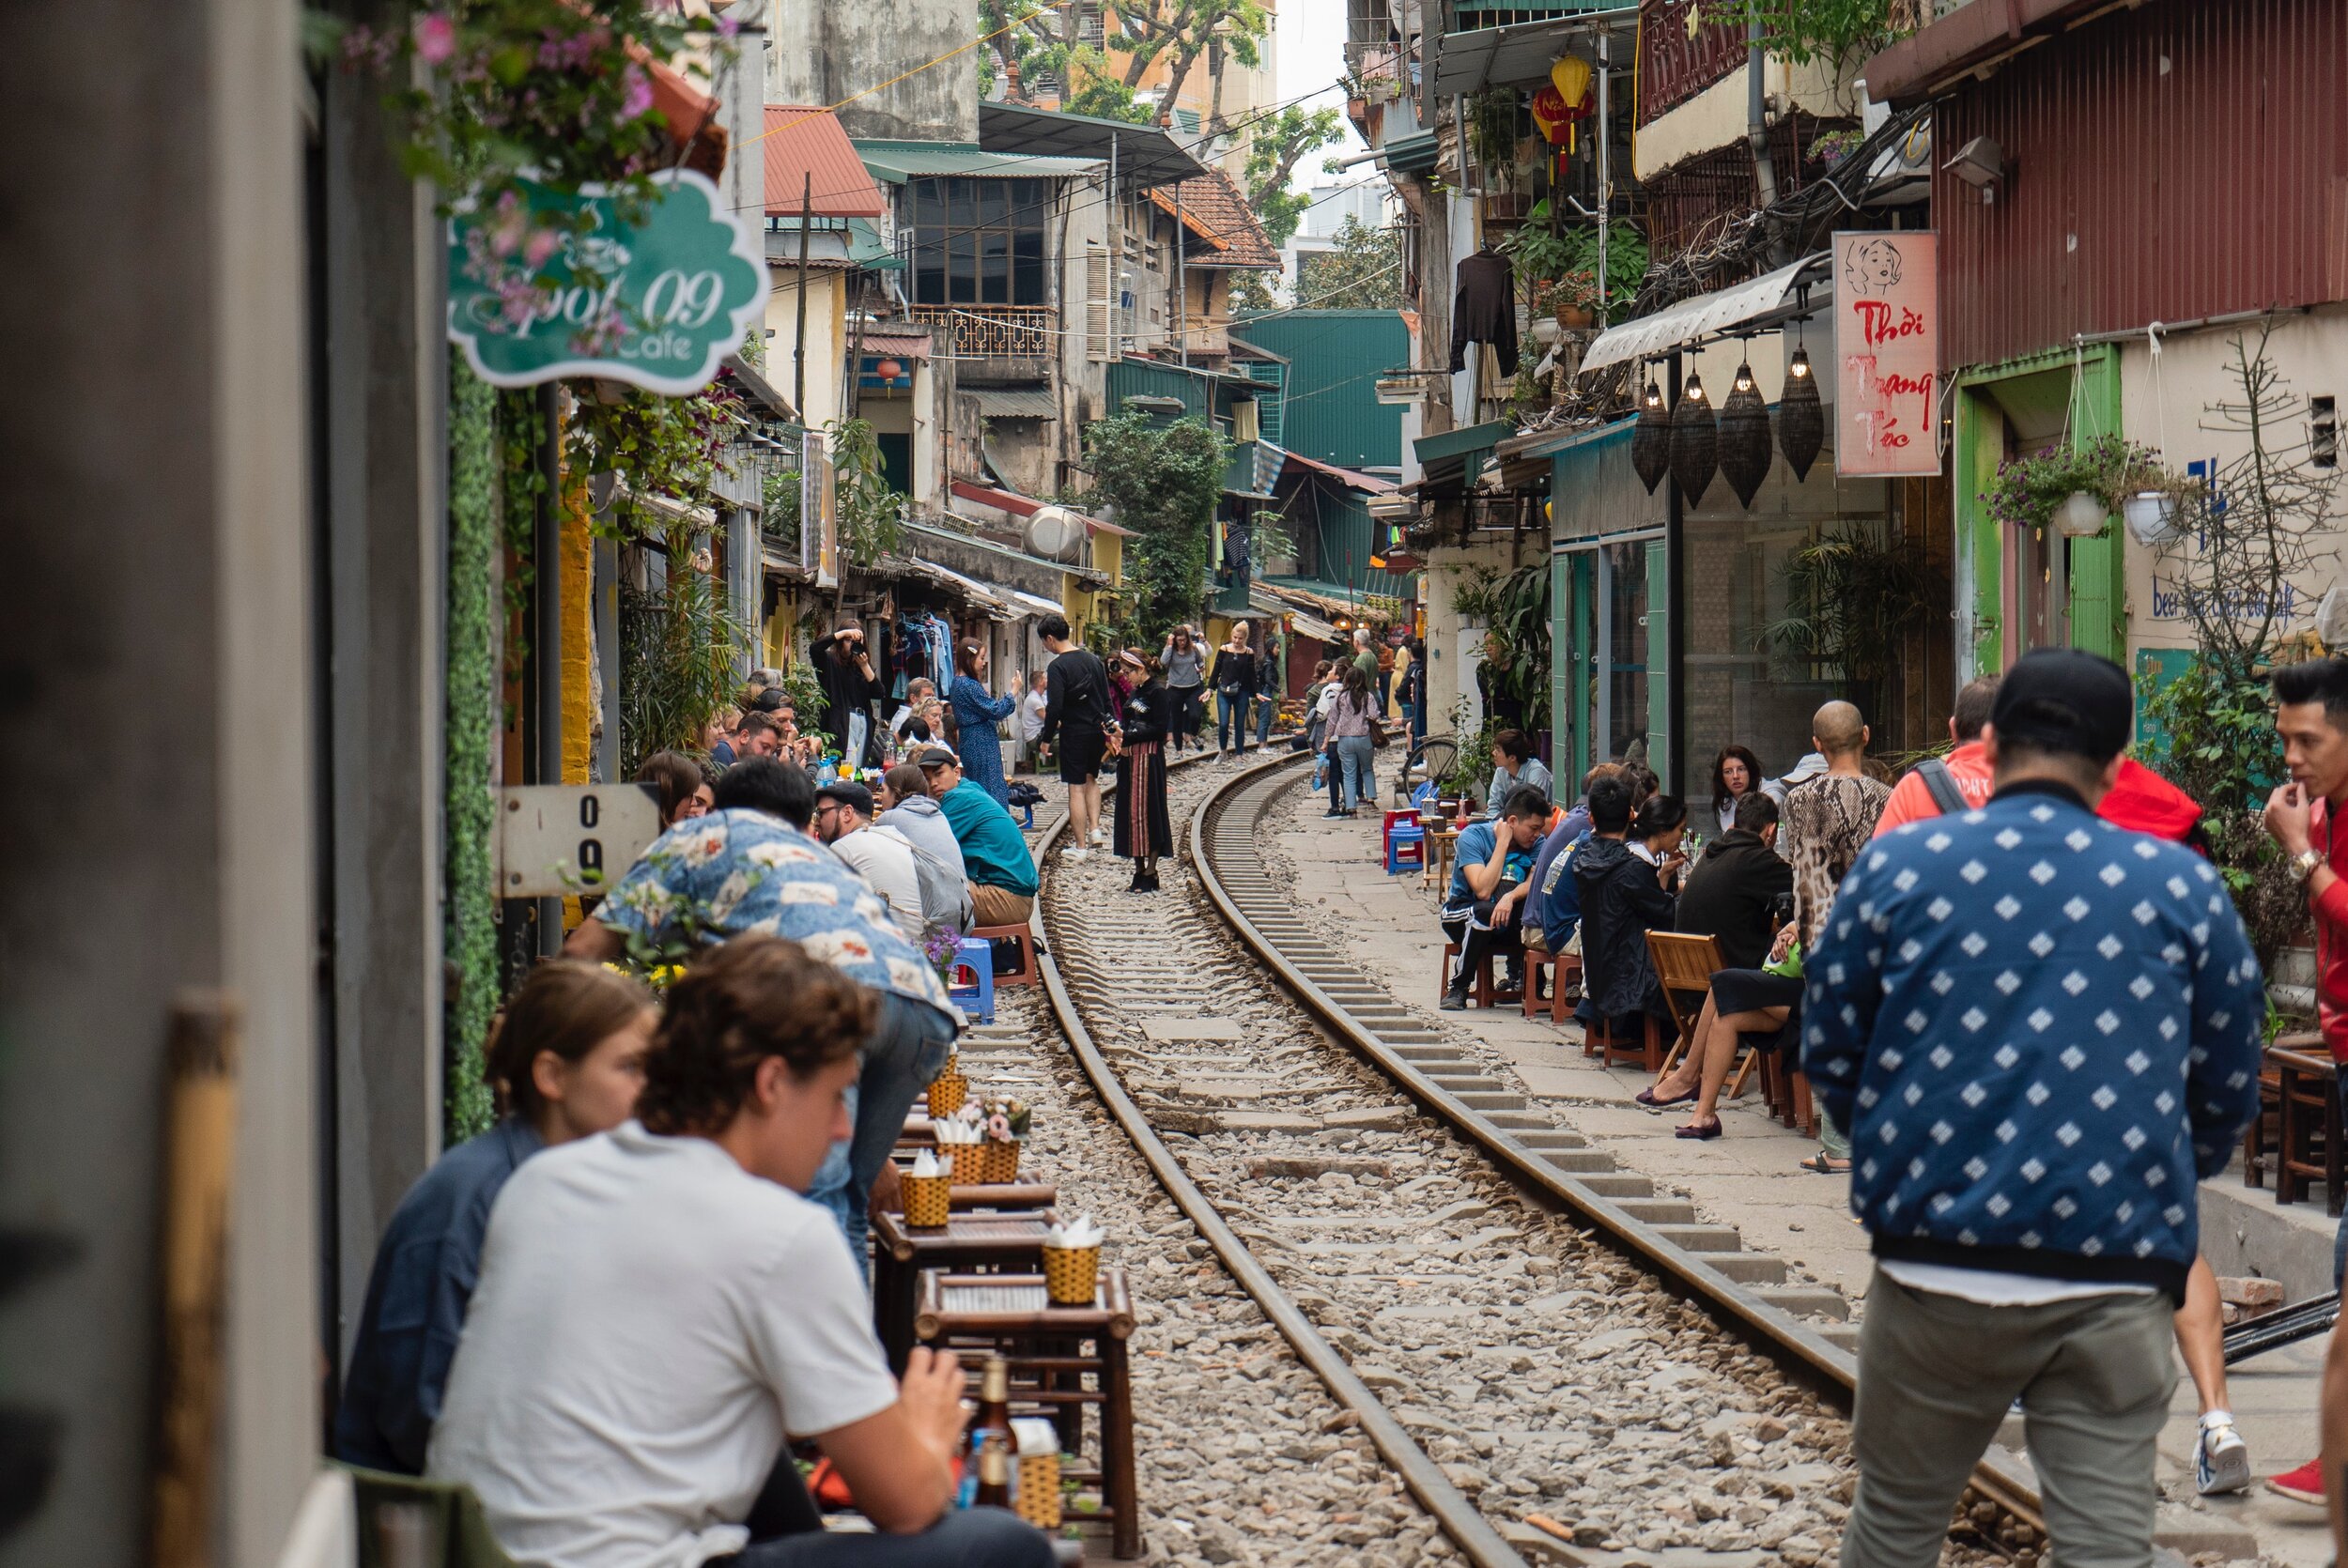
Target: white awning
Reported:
[(1001, 603), (1693, 320)]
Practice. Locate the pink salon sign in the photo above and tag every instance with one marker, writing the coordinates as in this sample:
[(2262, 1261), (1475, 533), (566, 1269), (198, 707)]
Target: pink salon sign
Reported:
[(1887, 352)]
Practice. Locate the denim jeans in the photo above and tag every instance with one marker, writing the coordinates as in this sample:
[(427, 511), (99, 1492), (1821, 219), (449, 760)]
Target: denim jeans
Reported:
[(1230, 713), (1353, 757), (906, 1048), (786, 1531), (1266, 705)]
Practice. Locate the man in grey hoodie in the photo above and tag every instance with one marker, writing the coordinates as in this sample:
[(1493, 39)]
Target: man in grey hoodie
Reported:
[(908, 808)]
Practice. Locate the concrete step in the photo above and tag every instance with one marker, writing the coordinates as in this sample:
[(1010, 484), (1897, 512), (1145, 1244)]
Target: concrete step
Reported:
[(1808, 1300), (1619, 1185), (1547, 1137), (1491, 1100), (1584, 1162), (1703, 1239), (1749, 1267), (1661, 1211)]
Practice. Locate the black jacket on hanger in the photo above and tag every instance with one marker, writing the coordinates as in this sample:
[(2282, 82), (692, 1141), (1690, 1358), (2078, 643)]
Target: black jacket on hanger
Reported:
[(1485, 310)]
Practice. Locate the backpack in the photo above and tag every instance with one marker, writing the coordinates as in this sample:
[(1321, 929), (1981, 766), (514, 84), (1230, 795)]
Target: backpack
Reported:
[(1942, 785), (945, 897)]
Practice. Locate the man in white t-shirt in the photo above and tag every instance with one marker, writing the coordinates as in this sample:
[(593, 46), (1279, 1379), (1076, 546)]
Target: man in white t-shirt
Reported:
[(882, 855), (659, 1307)]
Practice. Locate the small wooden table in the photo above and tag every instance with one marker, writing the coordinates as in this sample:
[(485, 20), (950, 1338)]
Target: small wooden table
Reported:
[(971, 1242), (1009, 1315), (1440, 842)]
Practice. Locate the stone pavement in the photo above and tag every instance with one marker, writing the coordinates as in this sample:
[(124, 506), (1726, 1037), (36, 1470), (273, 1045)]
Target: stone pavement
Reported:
[(1750, 1178)]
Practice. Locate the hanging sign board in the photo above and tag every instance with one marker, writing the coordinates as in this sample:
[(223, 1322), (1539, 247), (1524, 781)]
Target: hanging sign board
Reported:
[(657, 303), (558, 840), (1887, 354)]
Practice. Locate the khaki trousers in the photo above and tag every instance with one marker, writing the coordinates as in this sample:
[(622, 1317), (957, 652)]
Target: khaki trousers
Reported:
[(999, 906), (1938, 1374)]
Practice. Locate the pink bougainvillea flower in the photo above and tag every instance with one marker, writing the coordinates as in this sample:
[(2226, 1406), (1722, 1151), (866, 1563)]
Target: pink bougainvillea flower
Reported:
[(635, 93), (541, 245), (436, 38)]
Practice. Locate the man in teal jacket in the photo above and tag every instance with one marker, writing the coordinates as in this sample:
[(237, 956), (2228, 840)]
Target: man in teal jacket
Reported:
[(994, 851)]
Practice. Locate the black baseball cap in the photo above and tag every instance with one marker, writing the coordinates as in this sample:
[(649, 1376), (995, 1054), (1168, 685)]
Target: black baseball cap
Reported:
[(2066, 701), (938, 756), (848, 793)]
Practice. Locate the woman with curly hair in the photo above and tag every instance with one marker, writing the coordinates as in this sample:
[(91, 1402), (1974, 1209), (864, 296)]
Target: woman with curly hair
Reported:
[(659, 1308), (566, 1062)]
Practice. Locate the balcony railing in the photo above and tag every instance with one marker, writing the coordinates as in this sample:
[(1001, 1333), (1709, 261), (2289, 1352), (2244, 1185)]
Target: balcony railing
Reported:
[(996, 331)]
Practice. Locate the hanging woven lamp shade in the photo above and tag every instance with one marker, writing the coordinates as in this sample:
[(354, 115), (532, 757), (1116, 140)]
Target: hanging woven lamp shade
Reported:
[(1745, 453), (1695, 442), (1800, 418), (1651, 440)]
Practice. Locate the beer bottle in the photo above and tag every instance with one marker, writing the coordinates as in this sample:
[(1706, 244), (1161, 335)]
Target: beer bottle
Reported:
[(994, 1402), (994, 1474)]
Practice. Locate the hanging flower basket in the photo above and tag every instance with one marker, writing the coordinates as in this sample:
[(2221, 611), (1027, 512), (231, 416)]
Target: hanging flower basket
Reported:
[(2152, 516), (2076, 489), (2082, 516)]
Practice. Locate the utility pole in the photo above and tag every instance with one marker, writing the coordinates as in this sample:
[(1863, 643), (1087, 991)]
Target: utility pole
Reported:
[(798, 339), (1181, 284)]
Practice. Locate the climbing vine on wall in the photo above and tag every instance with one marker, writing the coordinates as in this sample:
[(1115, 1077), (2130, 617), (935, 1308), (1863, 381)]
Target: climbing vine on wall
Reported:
[(471, 733), (1166, 483)]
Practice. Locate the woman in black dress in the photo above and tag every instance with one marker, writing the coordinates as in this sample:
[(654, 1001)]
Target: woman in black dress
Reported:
[(1144, 832)]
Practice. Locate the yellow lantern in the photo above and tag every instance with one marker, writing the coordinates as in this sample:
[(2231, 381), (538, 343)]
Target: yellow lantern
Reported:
[(1570, 76)]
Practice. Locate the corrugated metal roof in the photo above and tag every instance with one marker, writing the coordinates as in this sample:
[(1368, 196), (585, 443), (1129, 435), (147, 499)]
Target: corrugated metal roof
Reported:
[(1146, 155), (1015, 402), (1329, 392), (1519, 53), (806, 151), (2165, 165), (898, 161)]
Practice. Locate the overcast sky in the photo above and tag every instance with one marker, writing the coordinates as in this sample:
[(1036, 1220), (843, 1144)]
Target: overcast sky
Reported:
[(1312, 55)]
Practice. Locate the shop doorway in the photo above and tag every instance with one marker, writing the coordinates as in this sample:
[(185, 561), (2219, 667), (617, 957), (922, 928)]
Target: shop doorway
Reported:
[(1611, 692)]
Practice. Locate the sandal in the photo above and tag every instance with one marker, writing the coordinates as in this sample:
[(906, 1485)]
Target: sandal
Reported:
[(1824, 1166), (1647, 1098), (1701, 1131)]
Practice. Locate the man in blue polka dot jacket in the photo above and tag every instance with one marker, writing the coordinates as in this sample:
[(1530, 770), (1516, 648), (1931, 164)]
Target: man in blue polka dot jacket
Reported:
[(2042, 1031)]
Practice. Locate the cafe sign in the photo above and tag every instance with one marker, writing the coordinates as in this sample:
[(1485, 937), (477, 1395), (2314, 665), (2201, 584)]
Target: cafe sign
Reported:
[(1887, 352), (552, 283)]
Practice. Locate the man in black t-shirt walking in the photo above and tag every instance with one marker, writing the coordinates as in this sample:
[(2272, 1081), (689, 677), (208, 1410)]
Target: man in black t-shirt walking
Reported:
[(1078, 710)]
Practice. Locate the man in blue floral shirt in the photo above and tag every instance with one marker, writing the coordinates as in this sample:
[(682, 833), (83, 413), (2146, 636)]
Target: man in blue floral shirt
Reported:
[(750, 866)]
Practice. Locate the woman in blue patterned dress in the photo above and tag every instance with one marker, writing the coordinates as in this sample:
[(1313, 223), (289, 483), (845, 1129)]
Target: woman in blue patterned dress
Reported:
[(976, 715)]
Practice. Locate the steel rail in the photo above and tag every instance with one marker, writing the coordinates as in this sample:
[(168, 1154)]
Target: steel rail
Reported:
[(1453, 1514), (1801, 1351)]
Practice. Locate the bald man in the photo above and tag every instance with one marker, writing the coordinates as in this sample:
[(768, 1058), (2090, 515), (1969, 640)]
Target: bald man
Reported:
[(1825, 823)]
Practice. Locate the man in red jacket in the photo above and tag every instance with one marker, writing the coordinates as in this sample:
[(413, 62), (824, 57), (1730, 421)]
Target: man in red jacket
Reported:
[(2312, 717)]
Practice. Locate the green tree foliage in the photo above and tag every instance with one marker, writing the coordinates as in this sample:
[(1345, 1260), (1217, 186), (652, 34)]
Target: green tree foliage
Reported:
[(1105, 97), (1180, 30), (1164, 482), (1514, 609), (871, 515), (677, 652), (469, 932), (1276, 145), (1838, 34), (1363, 272)]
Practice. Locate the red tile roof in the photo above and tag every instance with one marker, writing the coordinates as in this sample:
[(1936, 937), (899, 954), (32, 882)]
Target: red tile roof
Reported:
[(800, 143), (1212, 208)]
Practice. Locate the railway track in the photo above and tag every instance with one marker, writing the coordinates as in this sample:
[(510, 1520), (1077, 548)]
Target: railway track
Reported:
[(1510, 1348)]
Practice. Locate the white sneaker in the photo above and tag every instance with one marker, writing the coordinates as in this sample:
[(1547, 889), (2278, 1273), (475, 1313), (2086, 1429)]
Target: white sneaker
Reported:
[(1078, 853), (2221, 1460)]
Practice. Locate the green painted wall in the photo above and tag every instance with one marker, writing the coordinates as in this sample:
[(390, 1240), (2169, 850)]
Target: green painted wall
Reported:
[(1330, 409), (2095, 580)]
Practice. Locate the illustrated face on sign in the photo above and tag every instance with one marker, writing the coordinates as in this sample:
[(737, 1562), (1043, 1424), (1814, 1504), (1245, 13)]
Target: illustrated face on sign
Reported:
[(1873, 269)]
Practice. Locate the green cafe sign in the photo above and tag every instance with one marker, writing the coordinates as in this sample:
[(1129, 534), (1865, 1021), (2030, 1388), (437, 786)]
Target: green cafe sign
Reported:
[(553, 283)]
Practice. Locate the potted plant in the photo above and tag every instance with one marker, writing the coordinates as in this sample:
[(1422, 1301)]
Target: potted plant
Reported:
[(2076, 489), (2151, 497)]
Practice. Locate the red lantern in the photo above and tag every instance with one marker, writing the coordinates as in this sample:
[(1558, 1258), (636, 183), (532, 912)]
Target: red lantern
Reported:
[(888, 369), (1551, 112)]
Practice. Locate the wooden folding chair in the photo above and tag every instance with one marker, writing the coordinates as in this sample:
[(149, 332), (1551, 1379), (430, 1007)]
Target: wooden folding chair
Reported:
[(1684, 964)]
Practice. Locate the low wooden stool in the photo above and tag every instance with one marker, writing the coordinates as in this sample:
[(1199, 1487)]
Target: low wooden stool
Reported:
[(2308, 1131), (1008, 1314), (2262, 1138), (1483, 976), (1565, 968), (1644, 1048), (1026, 973), (968, 1242)]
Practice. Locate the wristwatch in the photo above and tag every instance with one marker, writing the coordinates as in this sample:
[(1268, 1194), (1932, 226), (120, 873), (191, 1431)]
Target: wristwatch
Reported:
[(2303, 865)]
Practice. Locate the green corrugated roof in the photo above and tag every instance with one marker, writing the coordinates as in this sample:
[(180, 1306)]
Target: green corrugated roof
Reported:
[(1329, 392), (1467, 438), (898, 161)]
